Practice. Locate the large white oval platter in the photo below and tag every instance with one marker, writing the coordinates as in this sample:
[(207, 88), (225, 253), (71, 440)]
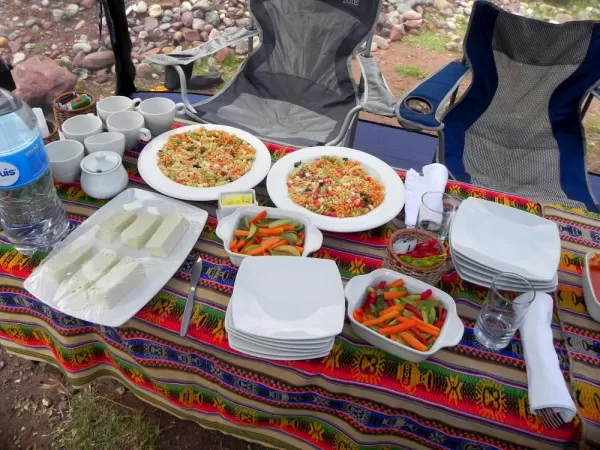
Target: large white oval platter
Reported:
[(151, 173), (382, 172)]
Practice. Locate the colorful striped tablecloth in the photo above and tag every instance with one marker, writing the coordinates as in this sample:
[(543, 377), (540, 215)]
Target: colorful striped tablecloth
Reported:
[(358, 397)]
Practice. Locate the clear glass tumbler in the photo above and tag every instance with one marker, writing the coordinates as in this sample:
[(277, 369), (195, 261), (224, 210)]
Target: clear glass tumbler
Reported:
[(503, 310), (436, 212)]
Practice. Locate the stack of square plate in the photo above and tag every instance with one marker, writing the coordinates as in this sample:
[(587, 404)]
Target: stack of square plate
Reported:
[(488, 238), (285, 308)]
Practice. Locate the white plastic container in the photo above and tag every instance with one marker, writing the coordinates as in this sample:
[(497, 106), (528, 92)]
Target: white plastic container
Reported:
[(313, 238), (450, 334)]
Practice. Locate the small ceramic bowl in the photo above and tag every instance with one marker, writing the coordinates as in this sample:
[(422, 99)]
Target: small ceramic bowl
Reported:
[(313, 238), (450, 334), (591, 301), (224, 211)]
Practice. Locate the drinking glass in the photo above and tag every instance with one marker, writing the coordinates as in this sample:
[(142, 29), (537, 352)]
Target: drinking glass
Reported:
[(503, 310), (436, 212)]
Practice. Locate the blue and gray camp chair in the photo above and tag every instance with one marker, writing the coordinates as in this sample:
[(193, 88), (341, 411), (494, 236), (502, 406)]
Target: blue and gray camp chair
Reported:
[(296, 87), (517, 129)]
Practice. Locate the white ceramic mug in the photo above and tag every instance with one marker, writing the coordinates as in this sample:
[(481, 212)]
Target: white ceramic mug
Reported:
[(117, 103), (106, 142), (131, 124), (78, 128), (103, 175), (65, 159), (159, 114)]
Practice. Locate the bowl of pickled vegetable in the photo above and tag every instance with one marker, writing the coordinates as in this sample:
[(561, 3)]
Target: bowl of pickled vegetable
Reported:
[(260, 231), (402, 315)]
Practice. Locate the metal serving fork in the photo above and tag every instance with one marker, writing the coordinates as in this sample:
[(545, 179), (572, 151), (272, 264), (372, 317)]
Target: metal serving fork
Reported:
[(550, 419)]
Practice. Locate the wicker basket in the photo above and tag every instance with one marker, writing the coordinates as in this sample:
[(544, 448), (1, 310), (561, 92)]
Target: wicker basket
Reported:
[(53, 136), (61, 114), (429, 275)]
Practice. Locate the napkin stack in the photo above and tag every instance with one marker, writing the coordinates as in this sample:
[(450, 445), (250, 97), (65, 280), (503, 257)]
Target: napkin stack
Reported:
[(547, 387), (434, 179)]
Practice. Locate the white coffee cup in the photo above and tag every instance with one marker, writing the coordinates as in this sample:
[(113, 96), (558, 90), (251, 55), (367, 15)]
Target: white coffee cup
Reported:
[(65, 159), (80, 127), (117, 103), (106, 142), (131, 124), (159, 114)]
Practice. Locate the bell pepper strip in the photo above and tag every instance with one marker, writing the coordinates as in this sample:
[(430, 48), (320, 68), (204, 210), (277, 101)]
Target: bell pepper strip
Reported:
[(426, 294), (418, 335), (414, 310), (394, 295), (358, 315), (413, 342), (397, 328), (261, 215), (398, 283), (442, 319), (393, 337), (381, 319)]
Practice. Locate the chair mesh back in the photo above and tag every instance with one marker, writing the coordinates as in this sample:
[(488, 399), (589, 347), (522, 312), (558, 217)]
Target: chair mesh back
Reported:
[(521, 119), (299, 79)]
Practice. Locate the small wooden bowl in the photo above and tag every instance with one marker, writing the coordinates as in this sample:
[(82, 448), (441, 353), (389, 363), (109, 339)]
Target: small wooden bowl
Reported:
[(430, 275)]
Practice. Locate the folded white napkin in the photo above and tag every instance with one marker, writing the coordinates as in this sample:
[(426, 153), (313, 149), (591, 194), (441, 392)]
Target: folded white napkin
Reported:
[(547, 387), (434, 178), (41, 120)]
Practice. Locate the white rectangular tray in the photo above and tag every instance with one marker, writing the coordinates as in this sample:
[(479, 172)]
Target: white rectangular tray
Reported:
[(158, 271)]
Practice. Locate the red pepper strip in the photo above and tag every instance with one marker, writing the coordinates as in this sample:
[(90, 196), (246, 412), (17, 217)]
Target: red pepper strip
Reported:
[(426, 294), (390, 302), (381, 285), (439, 323), (418, 335), (442, 318), (414, 310)]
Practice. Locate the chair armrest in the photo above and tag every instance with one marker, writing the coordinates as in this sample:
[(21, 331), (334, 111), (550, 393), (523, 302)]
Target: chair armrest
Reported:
[(377, 98), (433, 91), (208, 48), (596, 92)]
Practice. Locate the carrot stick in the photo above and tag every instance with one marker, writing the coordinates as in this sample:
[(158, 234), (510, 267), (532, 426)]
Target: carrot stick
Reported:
[(423, 327), (393, 337), (394, 295), (246, 244), (299, 248), (240, 233), (259, 216), (397, 328), (270, 231), (266, 244), (428, 325), (278, 243), (413, 342), (398, 283), (233, 245), (256, 252), (381, 319), (398, 308), (358, 316), (289, 227)]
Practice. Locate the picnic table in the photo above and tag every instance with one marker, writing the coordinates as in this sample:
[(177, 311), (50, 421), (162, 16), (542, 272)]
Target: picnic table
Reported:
[(358, 397)]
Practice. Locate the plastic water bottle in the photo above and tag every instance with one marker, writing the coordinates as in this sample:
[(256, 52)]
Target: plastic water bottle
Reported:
[(30, 212)]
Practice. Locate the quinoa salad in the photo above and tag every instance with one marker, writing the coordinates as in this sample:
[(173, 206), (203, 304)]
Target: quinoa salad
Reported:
[(334, 187), (205, 158)]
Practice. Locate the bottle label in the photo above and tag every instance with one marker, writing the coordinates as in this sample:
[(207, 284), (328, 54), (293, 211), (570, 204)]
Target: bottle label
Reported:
[(23, 167)]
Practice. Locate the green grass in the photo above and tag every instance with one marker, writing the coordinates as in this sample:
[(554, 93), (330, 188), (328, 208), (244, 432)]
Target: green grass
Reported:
[(592, 125), (429, 41), (410, 71), (96, 422)]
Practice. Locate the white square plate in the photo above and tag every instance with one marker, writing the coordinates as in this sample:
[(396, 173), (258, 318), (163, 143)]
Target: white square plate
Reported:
[(506, 239), (288, 298)]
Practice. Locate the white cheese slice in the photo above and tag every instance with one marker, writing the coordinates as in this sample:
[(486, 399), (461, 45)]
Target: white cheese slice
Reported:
[(117, 283), (93, 270), (67, 261), (170, 232), (115, 223), (138, 233)]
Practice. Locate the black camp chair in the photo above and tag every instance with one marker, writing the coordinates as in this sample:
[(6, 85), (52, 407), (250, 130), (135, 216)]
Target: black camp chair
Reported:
[(517, 129), (295, 88)]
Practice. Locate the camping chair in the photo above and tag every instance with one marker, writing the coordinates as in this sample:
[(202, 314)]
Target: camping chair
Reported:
[(296, 87), (517, 129)]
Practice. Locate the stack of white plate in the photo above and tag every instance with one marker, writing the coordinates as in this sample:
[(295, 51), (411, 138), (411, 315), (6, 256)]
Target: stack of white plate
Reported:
[(487, 238), (285, 308)]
